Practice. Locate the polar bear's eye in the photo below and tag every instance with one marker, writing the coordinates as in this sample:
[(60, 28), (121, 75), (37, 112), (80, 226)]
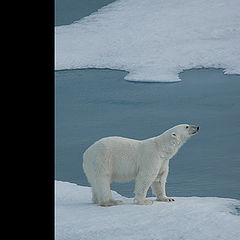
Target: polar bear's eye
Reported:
[(186, 126)]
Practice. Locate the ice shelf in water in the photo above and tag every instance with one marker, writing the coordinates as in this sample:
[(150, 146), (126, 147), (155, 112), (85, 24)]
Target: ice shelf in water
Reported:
[(153, 40)]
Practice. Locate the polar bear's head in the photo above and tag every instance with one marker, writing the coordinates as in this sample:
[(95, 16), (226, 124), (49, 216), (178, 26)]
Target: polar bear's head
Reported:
[(183, 132)]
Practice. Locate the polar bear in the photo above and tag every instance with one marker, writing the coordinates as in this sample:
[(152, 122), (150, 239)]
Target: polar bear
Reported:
[(123, 159)]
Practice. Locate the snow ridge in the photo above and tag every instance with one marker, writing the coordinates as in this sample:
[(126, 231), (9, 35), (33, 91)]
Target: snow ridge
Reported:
[(187, 218)]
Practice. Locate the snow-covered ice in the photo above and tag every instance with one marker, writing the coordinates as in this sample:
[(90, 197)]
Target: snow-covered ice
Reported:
[(153, 40), (186, 218)]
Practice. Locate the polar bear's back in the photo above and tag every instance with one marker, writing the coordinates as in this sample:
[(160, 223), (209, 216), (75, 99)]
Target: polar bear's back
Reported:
[(112, 156)]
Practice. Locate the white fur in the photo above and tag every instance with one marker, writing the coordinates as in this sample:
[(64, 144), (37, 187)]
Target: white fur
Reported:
[(123, 159)]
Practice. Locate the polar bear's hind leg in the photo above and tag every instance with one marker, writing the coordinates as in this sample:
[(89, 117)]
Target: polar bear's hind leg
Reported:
[(102, 194), (94, 195)]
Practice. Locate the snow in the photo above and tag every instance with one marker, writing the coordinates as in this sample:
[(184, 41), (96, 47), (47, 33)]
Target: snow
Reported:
[(186, 218), (153, 40)]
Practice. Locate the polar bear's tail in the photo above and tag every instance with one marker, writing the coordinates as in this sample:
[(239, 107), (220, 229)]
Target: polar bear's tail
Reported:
[(86, 165)]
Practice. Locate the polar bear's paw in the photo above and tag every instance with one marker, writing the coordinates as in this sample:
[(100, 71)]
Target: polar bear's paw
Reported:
[(117, 202), (143, 202), (111, 203), (165, 199)]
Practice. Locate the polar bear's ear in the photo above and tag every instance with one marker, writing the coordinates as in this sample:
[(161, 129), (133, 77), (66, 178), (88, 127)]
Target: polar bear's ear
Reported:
[(174, 135)]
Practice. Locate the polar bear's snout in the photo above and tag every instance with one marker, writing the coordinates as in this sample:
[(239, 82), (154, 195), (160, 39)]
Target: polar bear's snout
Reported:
[(193, 129)]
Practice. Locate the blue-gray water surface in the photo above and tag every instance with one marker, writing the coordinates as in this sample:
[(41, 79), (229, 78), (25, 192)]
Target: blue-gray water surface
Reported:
[(68, 11), (94, 103)]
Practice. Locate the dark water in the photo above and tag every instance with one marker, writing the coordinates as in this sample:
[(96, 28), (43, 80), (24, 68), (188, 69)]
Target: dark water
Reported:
[(68, 11), (91, 104)]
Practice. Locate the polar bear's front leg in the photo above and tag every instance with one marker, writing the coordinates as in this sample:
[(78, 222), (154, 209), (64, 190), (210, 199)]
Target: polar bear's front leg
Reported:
[(142, 183), (158, 188)]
